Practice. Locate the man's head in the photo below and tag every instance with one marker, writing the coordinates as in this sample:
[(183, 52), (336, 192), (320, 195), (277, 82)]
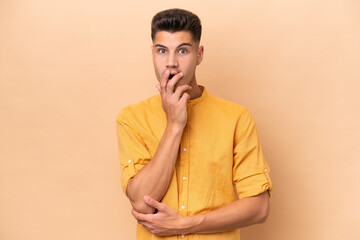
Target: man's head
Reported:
[(176, 46), (176, 20)]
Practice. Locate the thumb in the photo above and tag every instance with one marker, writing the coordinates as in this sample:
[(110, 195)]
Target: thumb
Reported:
[(152, 202), (158, 87)]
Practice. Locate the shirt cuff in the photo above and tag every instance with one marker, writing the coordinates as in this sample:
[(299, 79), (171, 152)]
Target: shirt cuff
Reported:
[(254, 185)]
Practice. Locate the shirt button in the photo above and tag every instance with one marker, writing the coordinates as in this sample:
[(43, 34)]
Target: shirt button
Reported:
[(184, 178), (182, 235), (184, 149), (129, 161), (182, 207), (265, 170)]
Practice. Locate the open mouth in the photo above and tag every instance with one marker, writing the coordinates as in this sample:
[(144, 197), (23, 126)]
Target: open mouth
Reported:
[(171, 76)]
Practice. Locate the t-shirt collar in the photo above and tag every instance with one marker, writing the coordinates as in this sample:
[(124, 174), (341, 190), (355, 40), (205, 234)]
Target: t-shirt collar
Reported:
[(203, 96)]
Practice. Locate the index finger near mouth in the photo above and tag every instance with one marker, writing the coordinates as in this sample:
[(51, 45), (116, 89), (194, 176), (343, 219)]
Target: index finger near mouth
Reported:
[(174, 80), (164, 78)]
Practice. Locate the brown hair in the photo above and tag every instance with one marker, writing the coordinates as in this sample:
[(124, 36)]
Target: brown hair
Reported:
[(174, 20)]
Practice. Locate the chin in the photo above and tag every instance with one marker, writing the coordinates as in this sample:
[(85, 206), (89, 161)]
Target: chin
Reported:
[(180, 84)]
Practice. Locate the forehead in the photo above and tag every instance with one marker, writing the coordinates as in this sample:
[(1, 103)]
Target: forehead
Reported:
[(173, 38)]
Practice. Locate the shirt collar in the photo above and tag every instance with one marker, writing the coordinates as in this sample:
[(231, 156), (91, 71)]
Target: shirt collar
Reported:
[(199, 99)]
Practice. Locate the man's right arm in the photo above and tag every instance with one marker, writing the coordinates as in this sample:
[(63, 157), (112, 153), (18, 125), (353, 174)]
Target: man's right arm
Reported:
[(154, 178)]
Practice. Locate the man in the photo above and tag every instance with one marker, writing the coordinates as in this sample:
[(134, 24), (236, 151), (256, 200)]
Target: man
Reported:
[(183, 151)]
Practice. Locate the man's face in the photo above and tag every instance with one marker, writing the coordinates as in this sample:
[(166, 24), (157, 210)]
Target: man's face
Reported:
[(177, 52)]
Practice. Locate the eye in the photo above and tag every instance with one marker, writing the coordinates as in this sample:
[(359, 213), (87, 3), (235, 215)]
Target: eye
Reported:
[(182, 50), (161, 50)]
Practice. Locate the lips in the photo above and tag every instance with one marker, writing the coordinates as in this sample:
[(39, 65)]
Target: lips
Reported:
[(172, 74)]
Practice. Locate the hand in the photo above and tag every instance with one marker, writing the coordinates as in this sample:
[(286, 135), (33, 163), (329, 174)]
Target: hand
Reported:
[(174, 102), (166, 222)]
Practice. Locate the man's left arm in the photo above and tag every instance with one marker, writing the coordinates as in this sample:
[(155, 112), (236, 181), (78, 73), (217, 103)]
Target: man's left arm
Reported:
[(240, 213)]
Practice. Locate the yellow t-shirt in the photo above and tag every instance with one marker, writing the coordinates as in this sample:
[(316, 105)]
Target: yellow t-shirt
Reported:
[(219, 148)]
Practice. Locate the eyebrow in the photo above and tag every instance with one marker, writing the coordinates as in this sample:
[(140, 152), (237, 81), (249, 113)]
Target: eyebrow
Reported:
[(183, 44)]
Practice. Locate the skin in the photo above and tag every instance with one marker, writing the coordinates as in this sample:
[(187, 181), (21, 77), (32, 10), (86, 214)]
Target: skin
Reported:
[(238, 214), (177, 53)]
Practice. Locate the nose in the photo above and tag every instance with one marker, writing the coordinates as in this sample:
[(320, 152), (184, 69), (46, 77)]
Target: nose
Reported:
[(171, 60)]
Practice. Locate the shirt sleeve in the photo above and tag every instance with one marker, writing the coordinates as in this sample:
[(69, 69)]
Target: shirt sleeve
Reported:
[(250, 169), (133, 153)]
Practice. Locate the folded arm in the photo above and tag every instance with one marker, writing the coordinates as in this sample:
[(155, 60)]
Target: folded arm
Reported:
[(238, 214), (154, 178)]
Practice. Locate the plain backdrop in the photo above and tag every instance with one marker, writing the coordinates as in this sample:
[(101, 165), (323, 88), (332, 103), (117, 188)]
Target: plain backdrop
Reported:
[(68, 67)]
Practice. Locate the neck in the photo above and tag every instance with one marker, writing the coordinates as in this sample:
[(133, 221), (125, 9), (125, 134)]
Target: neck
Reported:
[(196, 91)]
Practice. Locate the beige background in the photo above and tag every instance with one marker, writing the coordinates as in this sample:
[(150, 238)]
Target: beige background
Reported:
[(68, 67)]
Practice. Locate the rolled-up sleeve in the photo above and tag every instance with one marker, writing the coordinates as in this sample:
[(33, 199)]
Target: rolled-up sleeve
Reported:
[(250, 169), (132, 151)]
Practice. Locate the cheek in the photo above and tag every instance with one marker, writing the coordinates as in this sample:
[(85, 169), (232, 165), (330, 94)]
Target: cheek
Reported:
[(188, 65), (190, 70), (158, 69)]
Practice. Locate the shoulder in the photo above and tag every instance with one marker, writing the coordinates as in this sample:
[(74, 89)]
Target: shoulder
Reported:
[(140, 110), (226, 107)]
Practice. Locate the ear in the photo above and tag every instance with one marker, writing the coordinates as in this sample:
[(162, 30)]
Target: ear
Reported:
[(200, 55)]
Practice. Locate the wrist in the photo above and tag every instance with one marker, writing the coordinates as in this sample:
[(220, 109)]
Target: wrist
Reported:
[(192, 223), (174, 129)]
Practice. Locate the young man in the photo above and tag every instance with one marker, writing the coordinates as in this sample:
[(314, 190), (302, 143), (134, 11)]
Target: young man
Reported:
[(183, 151)]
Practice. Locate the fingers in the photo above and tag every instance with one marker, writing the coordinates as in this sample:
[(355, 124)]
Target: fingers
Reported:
[(166, 86), (180, 90), (171, 83), (153, 203), (164, 79), (142, 219), (185, 97), (146, 225), (139, 216)]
